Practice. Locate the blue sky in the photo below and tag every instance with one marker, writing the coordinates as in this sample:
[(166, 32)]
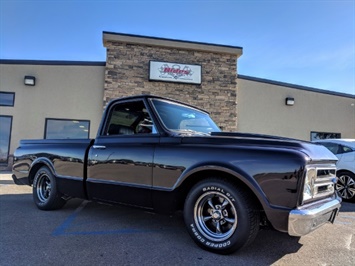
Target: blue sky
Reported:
[(304, 42)]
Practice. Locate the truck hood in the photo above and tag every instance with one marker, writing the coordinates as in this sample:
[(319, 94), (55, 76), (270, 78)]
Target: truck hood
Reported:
[(313, 152)]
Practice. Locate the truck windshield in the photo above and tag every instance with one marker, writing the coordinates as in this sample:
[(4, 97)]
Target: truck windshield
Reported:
[(183, 119)]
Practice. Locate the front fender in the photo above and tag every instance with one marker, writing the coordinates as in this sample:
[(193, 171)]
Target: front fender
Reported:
[(225, 170)]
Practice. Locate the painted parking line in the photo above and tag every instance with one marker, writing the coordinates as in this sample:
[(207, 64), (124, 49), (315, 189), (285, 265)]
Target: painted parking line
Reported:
[(61, 230)]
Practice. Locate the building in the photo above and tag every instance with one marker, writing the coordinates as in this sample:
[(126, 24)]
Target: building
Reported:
[(277, 108), (60, 99)]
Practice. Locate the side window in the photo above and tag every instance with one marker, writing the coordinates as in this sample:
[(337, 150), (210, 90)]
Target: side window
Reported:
[(345, 149), (128, 119), (334, 148)]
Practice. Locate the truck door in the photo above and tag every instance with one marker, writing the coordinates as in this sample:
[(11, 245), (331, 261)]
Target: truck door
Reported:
[(120, 162)]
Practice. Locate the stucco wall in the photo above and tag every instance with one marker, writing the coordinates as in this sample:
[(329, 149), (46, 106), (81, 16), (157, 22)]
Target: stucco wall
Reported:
[(262, 109), (61, 91), (127, 69)]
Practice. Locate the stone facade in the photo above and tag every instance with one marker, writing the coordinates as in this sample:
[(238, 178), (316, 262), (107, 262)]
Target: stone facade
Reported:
[(127, 73)]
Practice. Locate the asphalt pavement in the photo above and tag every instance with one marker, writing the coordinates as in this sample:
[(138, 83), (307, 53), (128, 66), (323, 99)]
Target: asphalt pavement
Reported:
[(88, 233)]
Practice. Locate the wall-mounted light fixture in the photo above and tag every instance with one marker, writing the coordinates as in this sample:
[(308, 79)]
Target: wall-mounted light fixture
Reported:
[(290, 101), (30, 80)]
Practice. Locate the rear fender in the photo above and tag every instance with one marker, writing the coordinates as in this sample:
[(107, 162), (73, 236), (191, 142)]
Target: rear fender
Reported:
[(36, 165)]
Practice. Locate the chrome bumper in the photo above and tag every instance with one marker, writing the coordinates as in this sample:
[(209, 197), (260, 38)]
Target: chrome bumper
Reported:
[(307, 218)]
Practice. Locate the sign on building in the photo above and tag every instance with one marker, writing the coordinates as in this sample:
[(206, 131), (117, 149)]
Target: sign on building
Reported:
[(174, 72)]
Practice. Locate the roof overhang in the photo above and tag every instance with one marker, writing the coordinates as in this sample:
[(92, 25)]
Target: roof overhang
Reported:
[(171, 43)]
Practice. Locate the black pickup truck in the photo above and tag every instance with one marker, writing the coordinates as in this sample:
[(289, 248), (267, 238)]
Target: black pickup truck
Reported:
[(163, 155)]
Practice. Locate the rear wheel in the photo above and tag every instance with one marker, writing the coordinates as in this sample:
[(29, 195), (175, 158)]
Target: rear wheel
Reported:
[(220, 217), (346, 186), (45, 193)]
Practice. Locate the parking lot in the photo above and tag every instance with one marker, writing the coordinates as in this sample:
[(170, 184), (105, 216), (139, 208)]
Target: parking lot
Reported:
[(87, 233)]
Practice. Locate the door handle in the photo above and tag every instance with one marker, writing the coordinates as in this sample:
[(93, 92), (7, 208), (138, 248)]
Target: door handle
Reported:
[(99, 147)]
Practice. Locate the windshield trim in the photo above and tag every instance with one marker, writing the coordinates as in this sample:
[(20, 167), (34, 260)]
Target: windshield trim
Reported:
[(187, 131)]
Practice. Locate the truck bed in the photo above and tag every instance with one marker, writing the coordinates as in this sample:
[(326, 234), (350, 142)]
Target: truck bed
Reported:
[(67, 159)]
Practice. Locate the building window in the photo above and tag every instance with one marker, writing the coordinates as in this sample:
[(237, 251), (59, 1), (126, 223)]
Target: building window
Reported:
[(324, 135), (5, 135), (7, 98), (66, 129)]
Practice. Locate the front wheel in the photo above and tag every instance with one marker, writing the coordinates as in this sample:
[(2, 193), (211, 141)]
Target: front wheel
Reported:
[(220, 217), (45, 193)]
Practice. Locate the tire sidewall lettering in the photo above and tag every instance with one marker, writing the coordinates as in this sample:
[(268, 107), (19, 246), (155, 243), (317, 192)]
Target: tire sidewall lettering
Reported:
[(245, 223), (208, 243), (218, 189), (195, 231)]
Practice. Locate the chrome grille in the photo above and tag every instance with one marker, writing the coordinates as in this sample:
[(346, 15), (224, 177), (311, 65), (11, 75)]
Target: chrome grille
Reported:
[(320, 182), (325, 182)]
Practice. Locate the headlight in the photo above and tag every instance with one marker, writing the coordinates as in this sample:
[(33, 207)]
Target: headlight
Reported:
[(308, 190)]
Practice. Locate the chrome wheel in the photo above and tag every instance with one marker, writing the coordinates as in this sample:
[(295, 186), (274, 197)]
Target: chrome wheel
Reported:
[(220, 216), (215, 216), (45, 193), (43, 187), (346, 186)]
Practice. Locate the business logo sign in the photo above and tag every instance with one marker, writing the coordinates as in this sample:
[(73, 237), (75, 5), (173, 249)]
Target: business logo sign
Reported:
[(174, 72)]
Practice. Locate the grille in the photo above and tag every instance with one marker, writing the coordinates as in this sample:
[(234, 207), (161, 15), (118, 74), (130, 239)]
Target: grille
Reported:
[(320, 181), (324, 183)]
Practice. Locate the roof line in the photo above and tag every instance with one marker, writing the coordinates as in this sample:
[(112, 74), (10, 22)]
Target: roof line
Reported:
[(51, 62), (294, 86), (168, 39), (109, 37)]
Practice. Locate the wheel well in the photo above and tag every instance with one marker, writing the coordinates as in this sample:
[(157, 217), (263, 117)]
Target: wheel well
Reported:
[(342, 171), (199, 176), (33, 172)]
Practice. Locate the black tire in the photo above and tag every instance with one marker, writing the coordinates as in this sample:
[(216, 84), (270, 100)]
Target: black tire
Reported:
[(221, 217), (45, 193), (346, 186)]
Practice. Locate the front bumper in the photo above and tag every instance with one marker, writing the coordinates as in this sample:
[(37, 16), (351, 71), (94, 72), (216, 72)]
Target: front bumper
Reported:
[(307, 218)]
